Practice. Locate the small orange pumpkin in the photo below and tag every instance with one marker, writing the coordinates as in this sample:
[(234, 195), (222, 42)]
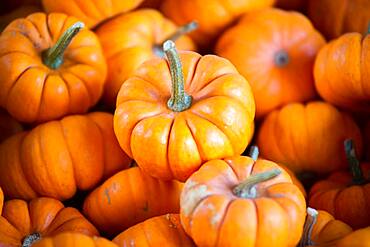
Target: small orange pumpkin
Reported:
[(322, 229), (288, 135), (240, 201), (58, 157), (213, 16), (90, 12), (275, 51), (72, 239), (22, 223), (346, 197), (8, 125), (342, 71), (165, 230), (50, 66), (189, 110), (334, 18), (130, 197), (130, 39)]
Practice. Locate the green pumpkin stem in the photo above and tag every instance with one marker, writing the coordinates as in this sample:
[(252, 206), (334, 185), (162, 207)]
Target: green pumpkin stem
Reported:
[(311, 220), (30, 239), (354, 164), (187, 28), (179, 100), (53, 57), (254, 152), (247, 190)]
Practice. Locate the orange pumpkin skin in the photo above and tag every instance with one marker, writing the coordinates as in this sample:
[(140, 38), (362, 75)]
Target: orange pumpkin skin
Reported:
[(266, 49), (316, 128), (33, 92), (90, 12), (165, 230), (214, 216), (213, 16), (43, 216), (347, 202), (342, 72), (58, 157), (218, 124), (129, 40), (73, 240), (8, 125), (334, 18), (322, 229), (360, 237), (140, 195), (295, 180)]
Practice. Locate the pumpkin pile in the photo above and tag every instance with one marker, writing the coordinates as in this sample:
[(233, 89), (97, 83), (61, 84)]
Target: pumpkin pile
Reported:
[(185, 123)]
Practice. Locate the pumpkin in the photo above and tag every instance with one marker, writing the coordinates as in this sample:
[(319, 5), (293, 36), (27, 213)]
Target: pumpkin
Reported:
[(8, 125), (50, 66), (334, 18), (73, 240), (360, 238), (130, 197), (322, 229), (295, 180), (213, 16), (90, 12), (23, 223), (20, 12), (129, 40), (189, 111), (58, 157), (341, 72), (308, 137), (275, 51), (241, 201), (164, 230), (344, 196)]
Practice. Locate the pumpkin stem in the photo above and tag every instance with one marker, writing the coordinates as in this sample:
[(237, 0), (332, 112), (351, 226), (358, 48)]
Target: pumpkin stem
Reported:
[(254, 152), (354, 164), (368, 29), (308, 226), (30, 239), (247, 190), (179, 100), (53, 57), (187, 28), (281, 58)]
